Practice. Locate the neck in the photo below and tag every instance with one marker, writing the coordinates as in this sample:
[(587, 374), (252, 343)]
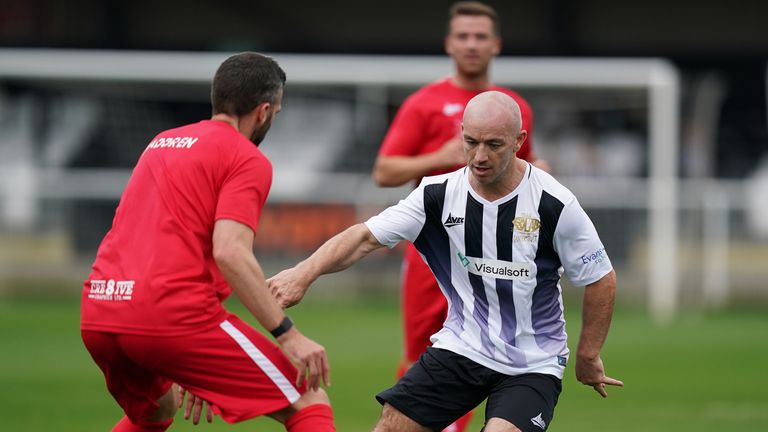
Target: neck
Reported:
[(503, 186), (226, 118), (478, 82)]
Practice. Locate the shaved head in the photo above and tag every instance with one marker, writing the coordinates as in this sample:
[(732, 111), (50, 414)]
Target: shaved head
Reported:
[(494, 108), (492, 133)]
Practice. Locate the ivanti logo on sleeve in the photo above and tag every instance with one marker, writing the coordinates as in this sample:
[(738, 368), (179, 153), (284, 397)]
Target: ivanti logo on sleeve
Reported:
[(497, 269)]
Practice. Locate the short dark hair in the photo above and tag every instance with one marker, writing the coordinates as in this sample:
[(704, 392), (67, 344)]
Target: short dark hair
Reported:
[(244, 81), (473, 8)]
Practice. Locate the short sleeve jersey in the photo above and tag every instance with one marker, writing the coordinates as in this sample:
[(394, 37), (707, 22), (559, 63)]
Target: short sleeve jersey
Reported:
[(499, 265), (154, 271), (432, 115)]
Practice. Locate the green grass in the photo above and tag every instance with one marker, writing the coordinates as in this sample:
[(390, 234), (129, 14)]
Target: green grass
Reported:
[(705, 372)]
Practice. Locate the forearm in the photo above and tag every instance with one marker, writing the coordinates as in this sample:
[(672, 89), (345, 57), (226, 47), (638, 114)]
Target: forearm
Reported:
[(391, 171), (597, 311), (338, 253), (245, 276)]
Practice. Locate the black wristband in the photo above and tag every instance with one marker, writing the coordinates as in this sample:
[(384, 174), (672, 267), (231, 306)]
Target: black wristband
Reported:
[(284, 326)]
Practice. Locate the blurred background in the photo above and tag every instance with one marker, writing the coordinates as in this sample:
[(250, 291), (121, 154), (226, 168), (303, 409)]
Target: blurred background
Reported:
[(653, 113)]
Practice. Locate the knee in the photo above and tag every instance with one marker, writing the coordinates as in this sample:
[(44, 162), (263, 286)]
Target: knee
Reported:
[(311, 397)]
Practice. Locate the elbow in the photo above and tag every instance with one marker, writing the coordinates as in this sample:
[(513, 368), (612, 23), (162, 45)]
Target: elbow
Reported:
[(225, 256), (385, 178), (381, 179)]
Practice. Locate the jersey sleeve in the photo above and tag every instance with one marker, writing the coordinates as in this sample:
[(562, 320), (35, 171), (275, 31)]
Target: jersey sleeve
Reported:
[(581, 252), (406, 133), (402, 221), (244, 191)]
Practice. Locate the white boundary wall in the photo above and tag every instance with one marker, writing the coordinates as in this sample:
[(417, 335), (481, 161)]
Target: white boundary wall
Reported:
[(656, 76)]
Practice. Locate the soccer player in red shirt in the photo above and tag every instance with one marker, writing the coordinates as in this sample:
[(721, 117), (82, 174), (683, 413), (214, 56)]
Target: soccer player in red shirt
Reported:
[(180, 243), (424, 140)]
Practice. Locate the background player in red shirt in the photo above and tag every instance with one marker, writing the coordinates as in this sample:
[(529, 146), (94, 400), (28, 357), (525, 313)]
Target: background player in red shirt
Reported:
[(424, 140), (180, 243)]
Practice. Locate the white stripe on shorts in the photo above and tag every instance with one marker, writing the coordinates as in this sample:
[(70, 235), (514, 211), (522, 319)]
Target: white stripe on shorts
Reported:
[(262, 362)]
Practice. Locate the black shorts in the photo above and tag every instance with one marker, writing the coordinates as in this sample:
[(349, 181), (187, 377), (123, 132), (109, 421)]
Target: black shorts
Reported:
[(442, 386)]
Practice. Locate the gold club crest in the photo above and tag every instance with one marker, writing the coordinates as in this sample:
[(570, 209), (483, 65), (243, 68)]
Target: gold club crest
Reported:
[(526, 223)]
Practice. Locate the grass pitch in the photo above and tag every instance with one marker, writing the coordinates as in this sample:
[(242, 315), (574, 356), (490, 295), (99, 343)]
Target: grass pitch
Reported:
[(705, 372)]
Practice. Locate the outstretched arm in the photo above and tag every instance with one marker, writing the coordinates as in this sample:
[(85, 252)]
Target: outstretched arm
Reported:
[(338, 253), (597, 311)]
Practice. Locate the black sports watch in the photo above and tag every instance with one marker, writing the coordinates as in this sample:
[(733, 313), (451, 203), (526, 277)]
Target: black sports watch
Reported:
[(284, 326)]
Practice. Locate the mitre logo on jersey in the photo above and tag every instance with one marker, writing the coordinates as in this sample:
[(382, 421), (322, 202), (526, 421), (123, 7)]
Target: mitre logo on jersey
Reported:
[(497, 269), (111, 290), (453, 221), (451, 109)]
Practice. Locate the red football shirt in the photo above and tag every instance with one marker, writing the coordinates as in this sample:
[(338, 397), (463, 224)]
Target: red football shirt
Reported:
[(154, 272), (432, 115)]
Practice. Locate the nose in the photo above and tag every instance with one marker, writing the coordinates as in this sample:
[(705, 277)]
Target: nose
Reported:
[(481, 153)]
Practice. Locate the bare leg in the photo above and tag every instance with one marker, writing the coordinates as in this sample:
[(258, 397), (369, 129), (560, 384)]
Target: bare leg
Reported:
[(392, 420), (499, 425)]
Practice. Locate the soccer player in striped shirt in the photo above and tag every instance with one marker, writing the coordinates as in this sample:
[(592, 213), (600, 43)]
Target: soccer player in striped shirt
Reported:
[(498, 234), (424, 139)]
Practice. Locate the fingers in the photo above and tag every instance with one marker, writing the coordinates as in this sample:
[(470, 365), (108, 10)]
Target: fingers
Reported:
[(198, 410), (326, 371), (209, 413), (313, 370), (600, 388), (301, 374), (613, 382), (188, 408), (182, 392)]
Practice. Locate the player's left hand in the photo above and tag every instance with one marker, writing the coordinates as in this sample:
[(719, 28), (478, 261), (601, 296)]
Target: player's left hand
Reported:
[(590, 371), (287, 287), (194, 406)]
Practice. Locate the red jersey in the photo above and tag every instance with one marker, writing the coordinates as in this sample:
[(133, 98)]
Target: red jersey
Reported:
[(154, 272), (432, 116)]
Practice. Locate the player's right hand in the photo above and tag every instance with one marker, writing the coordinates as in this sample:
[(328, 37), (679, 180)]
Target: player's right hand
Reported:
[(287, 287), (309, 358)]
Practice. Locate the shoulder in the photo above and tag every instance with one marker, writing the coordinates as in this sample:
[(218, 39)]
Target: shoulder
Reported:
[(544, 181), (450, 177), (429, 91), (524, 105)]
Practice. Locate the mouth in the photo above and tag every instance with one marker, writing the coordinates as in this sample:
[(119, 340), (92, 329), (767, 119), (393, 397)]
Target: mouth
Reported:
[(480, 171)]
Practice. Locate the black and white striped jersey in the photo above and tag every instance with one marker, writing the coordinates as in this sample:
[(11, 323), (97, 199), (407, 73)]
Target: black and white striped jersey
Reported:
[(499, 265)]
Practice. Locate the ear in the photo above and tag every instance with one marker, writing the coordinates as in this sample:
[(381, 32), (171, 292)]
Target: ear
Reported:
[(497, 46), (447, 45), (520, 139), (262, 112)]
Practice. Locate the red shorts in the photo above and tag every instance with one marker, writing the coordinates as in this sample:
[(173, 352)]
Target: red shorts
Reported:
[(234, 367), (424, 305)]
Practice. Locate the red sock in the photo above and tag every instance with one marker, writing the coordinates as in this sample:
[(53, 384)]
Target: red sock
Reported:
[(314, 418), (461, 424), (125, 425)]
